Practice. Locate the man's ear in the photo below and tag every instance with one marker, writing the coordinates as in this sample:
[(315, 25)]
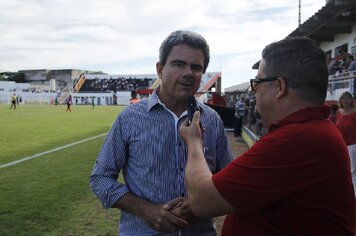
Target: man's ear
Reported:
[(282, 87), (159, 69)]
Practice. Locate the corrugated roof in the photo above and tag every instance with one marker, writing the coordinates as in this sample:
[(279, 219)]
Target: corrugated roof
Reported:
[(337, 16), (243, 87)]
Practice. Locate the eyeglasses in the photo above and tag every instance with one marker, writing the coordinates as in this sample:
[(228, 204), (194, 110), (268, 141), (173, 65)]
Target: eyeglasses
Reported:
[(254, 82)]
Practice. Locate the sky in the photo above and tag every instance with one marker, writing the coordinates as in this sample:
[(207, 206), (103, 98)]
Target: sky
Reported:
[(123, 36)]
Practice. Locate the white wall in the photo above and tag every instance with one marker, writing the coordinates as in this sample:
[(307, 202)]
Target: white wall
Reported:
[(123, 98), (339, 40), (12, 85), (27, 97)]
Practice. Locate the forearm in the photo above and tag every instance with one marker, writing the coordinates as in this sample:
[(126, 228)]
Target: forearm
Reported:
[(132, 204), (197, 173), (205, 199)]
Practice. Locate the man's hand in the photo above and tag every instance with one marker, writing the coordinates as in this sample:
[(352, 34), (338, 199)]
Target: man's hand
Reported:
[(192, 134), (180, 207), (155, 215), (161, 219)]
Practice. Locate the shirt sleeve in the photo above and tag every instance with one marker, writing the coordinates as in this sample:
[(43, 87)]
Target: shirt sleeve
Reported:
[(110, 160), (266, 173)]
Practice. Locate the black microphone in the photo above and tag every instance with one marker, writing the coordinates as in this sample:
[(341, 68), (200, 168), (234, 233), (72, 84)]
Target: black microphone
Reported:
[(192, 107)]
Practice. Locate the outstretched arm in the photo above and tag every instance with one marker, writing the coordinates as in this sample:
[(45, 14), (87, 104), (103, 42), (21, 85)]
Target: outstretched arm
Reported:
[(205, 200)]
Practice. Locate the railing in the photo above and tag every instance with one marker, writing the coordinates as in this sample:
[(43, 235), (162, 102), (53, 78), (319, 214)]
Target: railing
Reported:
[(339, 84)]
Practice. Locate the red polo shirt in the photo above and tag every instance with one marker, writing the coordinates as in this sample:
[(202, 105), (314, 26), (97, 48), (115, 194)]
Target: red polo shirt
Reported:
[(295, 180), (347, 126)]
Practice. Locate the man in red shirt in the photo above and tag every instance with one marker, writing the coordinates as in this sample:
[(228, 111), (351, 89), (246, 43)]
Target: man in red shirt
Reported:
[(296, 179)]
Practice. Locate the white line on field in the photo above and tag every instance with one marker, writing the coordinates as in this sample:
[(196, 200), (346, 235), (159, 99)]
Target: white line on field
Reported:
[(50, 151)]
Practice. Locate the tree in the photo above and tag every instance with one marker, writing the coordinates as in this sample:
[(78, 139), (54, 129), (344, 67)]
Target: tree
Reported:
[(18, 77)]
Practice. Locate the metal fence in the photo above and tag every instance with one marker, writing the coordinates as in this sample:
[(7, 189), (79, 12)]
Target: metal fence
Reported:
[(339, 84)]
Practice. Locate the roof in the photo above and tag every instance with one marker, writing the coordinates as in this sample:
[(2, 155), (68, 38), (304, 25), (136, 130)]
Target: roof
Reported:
[(208, 80), (243, 87), (337, 16)]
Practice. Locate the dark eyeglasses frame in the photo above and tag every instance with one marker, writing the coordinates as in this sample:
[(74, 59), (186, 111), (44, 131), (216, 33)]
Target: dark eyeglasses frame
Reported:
[(256, 81)]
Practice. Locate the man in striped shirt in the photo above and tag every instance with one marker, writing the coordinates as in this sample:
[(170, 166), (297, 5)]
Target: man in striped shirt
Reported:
[(144, 143)]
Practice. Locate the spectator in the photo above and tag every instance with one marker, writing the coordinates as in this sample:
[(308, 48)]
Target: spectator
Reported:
[(240, 112), (134, 98), (251, 111), (346, 123), (296, 179), (343, 63), (144, 143), (332, 65), (351, 62)]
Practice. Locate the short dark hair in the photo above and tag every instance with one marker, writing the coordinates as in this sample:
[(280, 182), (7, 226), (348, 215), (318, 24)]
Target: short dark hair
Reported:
[(346, 94), (192, 39), (302, 62), (133, 93)]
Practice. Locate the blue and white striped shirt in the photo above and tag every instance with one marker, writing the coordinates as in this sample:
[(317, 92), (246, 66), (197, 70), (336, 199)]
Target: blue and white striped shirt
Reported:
[(144, 143)]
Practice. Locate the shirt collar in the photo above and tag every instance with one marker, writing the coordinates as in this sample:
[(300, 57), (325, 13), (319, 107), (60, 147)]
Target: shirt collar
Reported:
[(306, 114), (153, 100)]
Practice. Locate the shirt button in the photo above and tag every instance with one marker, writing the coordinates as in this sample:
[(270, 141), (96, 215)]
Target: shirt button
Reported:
[(182, 194), (181, 169), (180, 143)]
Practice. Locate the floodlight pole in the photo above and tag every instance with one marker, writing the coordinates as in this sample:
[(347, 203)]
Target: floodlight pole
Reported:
[(300, 3)]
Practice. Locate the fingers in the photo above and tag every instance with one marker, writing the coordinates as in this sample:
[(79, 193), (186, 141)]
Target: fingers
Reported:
[(193, 132), (184, 211), (181, 223), (173, 203), (181, 209), (185, 122), (196, 116), (164, 220)]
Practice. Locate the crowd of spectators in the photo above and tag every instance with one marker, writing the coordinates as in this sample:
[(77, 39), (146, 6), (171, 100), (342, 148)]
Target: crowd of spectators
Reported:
[(341, 65), (245, 113), (117, 84)]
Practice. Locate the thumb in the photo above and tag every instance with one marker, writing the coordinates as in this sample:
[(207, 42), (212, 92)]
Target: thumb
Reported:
[(196, 117)]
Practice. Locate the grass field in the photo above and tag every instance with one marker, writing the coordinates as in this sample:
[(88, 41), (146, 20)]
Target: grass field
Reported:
[(50, 195)]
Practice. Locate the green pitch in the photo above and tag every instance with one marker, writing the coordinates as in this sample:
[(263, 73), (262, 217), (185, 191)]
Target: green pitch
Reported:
[(50, 195)]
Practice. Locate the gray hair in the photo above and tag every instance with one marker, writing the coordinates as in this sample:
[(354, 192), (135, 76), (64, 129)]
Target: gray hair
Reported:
[(192, 39)]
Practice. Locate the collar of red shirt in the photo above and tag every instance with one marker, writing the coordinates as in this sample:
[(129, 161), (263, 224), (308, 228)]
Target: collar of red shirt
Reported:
[(306, 114)]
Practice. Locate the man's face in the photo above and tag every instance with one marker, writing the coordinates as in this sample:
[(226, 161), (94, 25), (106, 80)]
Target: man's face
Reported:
[(264, 96), (181, 75)]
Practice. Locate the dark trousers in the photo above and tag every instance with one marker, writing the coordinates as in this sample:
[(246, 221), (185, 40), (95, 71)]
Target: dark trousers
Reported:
[(13, 104), (238, 126)]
